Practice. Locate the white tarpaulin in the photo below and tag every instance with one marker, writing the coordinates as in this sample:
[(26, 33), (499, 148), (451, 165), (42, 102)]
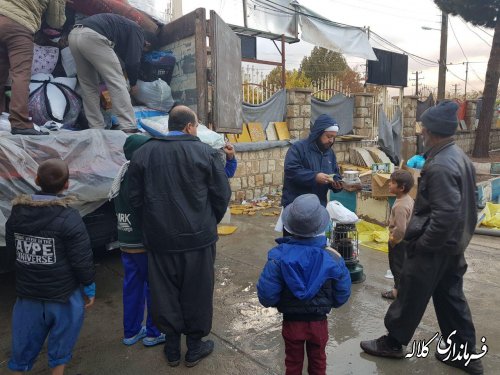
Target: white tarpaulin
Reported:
[(348, 40), (280, 17), (94, 158)]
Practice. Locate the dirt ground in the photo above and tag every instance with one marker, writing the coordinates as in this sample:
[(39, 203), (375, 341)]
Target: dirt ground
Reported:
[(248, 336)]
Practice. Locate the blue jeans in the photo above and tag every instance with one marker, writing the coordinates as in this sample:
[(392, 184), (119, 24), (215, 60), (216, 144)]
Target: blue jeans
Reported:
[(136, 295), (33, 321)]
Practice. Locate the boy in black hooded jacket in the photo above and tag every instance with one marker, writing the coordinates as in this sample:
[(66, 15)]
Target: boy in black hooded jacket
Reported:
[(53, 263)]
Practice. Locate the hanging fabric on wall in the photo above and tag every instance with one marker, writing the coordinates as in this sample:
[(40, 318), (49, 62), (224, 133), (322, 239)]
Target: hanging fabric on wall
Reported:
[(272, 110), (390, 134), (340, 107)]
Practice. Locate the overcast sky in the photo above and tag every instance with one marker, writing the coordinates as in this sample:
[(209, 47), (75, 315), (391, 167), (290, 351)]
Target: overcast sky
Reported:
[(398, 21)]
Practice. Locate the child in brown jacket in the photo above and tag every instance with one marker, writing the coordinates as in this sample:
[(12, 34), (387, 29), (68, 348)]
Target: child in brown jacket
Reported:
[(400, 184)]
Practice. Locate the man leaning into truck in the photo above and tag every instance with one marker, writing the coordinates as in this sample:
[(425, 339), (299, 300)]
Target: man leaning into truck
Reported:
[(19, 20)]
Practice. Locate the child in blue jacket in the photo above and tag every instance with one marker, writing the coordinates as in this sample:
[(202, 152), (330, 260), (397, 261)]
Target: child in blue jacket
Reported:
[(304, 281)]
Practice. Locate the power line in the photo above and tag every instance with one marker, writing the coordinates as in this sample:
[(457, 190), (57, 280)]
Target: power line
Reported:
[(477, 75), (479, 36), (377, 10), (401, 49), (484, 31), (455, 35)]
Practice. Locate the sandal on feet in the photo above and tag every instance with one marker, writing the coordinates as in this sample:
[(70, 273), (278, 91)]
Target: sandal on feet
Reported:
[(152, 341), (388, 294)]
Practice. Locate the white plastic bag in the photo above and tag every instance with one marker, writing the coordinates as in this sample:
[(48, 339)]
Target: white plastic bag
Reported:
[(157, 126), (68, 62), (339, 214), (210, 137), (156, 95), (279, 224)]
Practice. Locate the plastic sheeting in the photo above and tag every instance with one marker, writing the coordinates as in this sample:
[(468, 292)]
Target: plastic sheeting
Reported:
[(340, 107), (349, 40), (422, 106), (94, 158), (373, 236), (272, 110), (390, 134), (491, 216)]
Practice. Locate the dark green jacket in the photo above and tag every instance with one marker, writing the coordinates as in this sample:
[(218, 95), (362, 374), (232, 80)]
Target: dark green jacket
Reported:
[(129, 228)]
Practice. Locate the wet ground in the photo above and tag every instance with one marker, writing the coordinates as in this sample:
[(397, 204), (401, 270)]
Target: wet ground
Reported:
[(248, 337)]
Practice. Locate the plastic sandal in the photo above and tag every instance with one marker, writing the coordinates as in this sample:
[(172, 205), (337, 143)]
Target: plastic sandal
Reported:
[(152, 341), (132, 340)]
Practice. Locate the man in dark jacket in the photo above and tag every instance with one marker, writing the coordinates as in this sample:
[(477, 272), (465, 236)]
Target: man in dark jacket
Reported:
[(179, 186), (53, 260), (309, 163), (96, 43), (304, 281), (443, 221)]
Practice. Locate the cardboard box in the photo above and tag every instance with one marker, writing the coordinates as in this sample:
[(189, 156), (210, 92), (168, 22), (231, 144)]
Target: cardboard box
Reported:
[(416, 175), (380, 183)]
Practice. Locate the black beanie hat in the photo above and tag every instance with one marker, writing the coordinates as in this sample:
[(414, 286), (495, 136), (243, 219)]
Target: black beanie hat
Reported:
[(441, 119)]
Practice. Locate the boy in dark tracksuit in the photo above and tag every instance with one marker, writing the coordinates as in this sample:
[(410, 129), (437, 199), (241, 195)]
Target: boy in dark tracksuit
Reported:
[(136, 295), (54, 266), (304, 281)]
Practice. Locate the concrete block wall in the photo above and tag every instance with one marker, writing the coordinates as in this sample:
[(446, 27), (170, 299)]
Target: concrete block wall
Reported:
[(298, 115), (363, 114), (259, 173), (466, 139), (409, 115)]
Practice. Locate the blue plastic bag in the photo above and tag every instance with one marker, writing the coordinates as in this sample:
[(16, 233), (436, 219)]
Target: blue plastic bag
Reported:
[(416, 161)]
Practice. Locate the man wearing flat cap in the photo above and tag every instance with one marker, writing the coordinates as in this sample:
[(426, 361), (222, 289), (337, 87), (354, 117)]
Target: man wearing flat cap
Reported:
[(309, 163), (443, 221)]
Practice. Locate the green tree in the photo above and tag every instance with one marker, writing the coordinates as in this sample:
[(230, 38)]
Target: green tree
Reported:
[(322, 62), (482, 13)]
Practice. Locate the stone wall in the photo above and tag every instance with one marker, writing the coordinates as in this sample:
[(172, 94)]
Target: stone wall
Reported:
[(465, 139), (260, 173), (409, 146), (363, 115)]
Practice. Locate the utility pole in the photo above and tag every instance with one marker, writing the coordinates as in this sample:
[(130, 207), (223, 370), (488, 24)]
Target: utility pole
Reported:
[(456, 85), (442, 56), (176, 9), (466, 74), (416, 81), (245, 23)]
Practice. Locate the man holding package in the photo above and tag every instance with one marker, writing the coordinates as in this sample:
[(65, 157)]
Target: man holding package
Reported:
[(311, 165), (443, 221), (19, 20), (96, 43)]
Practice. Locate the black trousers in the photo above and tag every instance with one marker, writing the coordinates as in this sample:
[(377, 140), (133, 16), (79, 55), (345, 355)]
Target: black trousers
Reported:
[(439, 276), (396, 260), (182, 288)]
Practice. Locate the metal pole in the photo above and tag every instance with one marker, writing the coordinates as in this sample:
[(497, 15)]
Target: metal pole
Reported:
[(442, 56), (283, 69)]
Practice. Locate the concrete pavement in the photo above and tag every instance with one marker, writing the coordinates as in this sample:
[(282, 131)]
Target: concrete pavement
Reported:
[(248, 336)]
